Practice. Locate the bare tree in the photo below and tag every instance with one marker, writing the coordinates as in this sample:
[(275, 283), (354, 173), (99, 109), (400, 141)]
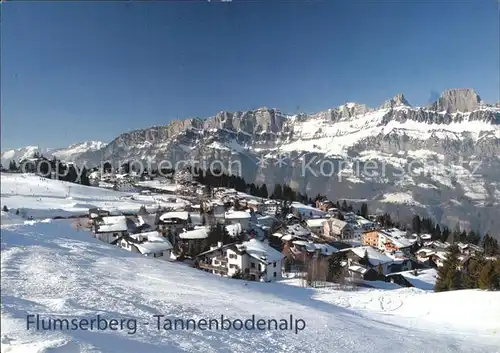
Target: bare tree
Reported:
[(317, 270)]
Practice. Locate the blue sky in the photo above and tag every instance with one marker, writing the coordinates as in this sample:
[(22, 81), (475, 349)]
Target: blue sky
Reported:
[(76, 71)]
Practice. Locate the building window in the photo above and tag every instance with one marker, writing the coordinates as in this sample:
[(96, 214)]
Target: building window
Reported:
[(252, 265), (274, 264), (274, 274), (232, 256)]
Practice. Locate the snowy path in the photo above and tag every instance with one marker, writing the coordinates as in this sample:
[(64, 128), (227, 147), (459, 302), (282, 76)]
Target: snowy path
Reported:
[(53, 270)]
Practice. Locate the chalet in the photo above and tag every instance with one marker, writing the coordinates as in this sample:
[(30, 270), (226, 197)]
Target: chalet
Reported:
[(315, 225), (252, 259), (305, 211), (173, 222), (241, 217), (325, 205), (192, 242), (350, 217), (336, 229), (438, 258), (300, 249), (424, 255), (150, 244), (470, 249), (266, 220), (362, 273), (110, 228), (295, 231), (98, 212), (271, 207), (365, 224), (422, 279), (387, 240), (255, 205), (383, 263), (437, 245)]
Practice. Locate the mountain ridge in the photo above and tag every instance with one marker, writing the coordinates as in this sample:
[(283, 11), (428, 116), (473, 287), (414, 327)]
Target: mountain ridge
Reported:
[(440, 141)]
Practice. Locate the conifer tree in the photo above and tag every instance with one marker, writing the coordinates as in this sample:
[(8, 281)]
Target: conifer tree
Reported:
[(472, 272), (263, 191), (449, 277), (365, 260), (489, 277)]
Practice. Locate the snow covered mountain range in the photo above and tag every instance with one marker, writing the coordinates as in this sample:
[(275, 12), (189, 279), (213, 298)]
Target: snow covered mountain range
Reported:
[(67, 154), (441, 160)]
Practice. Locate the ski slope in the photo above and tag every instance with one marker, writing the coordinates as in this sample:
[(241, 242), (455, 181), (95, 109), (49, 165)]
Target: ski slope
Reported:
[(45, 198), (52, 269)]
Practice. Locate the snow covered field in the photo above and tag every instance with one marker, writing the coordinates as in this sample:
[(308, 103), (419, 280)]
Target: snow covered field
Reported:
[(52, 269), (42, 198)]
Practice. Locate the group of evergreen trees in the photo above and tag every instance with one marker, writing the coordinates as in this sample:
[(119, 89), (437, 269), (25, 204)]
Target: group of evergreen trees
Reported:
[(477, 272), (53, 168), (219, 233)]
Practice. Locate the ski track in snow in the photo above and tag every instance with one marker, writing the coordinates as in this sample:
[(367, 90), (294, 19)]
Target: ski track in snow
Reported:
[(54, 270)]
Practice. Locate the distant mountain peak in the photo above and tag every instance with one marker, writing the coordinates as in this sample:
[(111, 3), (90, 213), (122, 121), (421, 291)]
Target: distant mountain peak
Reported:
[(398, 100), (457, 100)]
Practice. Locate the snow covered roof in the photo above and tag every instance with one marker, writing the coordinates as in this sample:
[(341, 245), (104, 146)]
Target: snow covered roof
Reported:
[(315, 222), (337, 223), (287, 237), (197, 233), (441, 255), (358, 269), (266, 220), (155, 242), (298, 230), (423, 279), (362, 220), (112, 224), (237, 215), (262, 251), (271, 202), (426, 251), (253, 202), (398, 237), (176, 214), (326, 249), (375, 256), (308, 245)]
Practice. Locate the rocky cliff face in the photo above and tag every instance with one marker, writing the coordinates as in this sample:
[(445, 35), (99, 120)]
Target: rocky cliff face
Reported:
[(443, 143), (457, 100)]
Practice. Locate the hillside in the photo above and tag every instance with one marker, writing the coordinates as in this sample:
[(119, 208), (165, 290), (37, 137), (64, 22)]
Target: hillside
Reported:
[(40, 197), (54, 270)]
